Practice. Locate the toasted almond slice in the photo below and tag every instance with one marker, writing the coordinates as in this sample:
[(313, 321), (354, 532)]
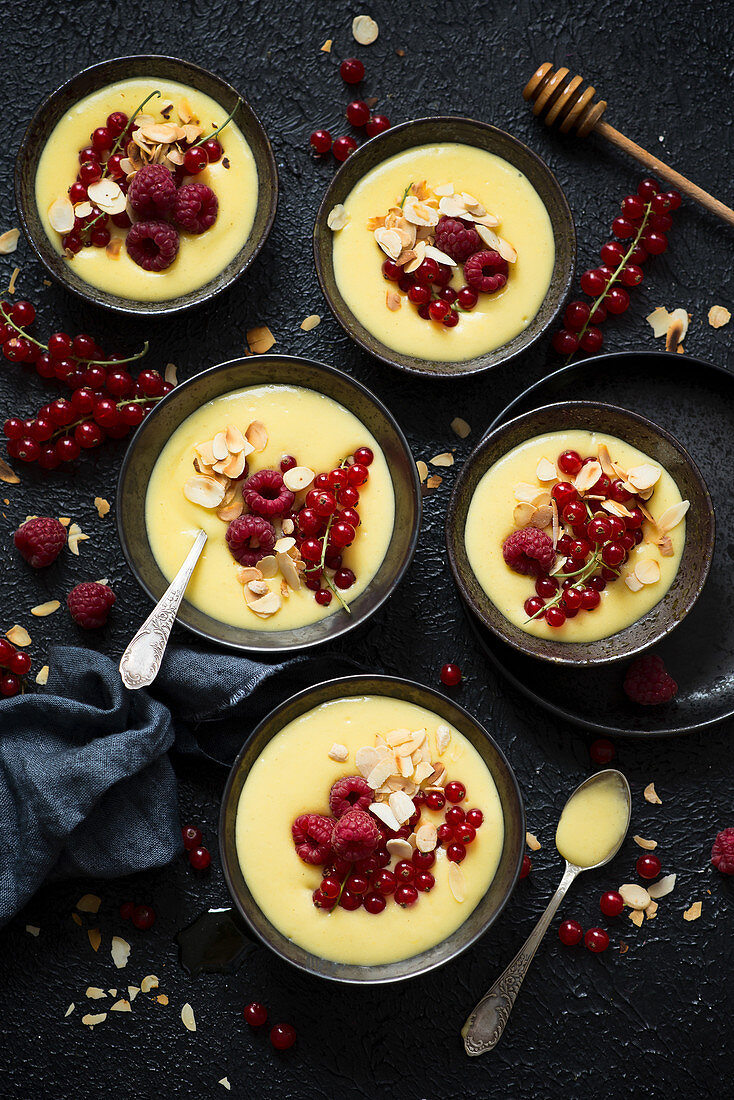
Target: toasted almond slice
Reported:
[(605, 461), (422, 469), (420, 213), (233, 466), (231, 511), (393, 301), (615, 508), (8, 474), (268, 566), (338, 752), (659, 320), (162, 999), (390, 242), (364, 30), (249, 573), (634, 895), (426, 837), (203, 490), (546, 470), (205, 451), (366, 759), (433, 253), (120, 951), (108, 196), (308, 324), (452, 206), (718, 316), (149, 982), (401, 806), (70, 1009), (381, 771), (89, 903), (647, 571), (337, 218), (672, 516), (257, 436), (260, 339), (288, 568), (526, 493), (385, 814), (399, 848), (257, 587), (437, 778), (542, 517), (532, 842), (121, 1006), (648, 845), (94, 993), (299, 477), (632, 583), (234, 439), (651, 795), (587, 476), (489, 237), (284, 545), (662, 887), (187, 1017), (637, 916), (9, 243), (443, 738), (556, 524), (522, 514), (461, 427), (220, 450), (422, 771), (456, 882), (266, 605), (694, 912), (644, 476), (61, 215), (94, 935), (225, 1080), (18, 635), (413, 262), (91, 1020), (41, 610), (506, 250), (445, 459), (42, 675), (132, 992), (433, 481)]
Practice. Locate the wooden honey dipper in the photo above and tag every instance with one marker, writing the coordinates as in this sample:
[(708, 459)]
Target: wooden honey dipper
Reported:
[(567, 104)]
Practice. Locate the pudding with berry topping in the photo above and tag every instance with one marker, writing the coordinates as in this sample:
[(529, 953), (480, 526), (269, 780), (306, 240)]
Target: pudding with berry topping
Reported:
[(319, 773), (443, 252), (575, 535), (195, 235), (272, 561)]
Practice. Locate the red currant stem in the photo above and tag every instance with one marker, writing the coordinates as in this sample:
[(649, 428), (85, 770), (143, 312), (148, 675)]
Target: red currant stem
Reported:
[(338, 595), (405, 195), (135, 113), (114, 363), (93, 223), (23, 333), (65, 429), (614, 278), (582, 574), (341, 890), (230, 116)]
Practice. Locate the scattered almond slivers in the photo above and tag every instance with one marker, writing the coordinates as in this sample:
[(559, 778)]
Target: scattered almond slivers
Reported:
[(9, 241), (718, 316), (76, 536), (445, 459), (92, 1020), (662, 887), (532, 842), (651, 795), (309, 323), (456, 882), (364, 30), (120, 951), (42, 675), (337, 218), (204, 490), (426, 838), (187, 1017), (102, 506), (422, 469), (149, 982), (298, 478), (546, 470), (672, 516), (399, 848), (637, 917), (694, 912), (61, 215), (8, 474), (260, 339), (648, 845), (647, 571), (443, 738), (634, 895), (89, 903), (18, 635), (41, 610)]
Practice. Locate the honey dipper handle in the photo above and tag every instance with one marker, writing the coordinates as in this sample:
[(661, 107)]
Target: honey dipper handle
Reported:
[(666, 173)]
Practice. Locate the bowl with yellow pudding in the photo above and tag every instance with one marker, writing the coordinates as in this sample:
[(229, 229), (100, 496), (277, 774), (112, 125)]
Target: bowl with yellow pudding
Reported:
[(444, 246), (146, 184), (580, 533), (335, 835), (304, 485)]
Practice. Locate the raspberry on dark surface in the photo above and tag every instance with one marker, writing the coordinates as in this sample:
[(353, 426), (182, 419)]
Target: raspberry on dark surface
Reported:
[(89, 604), (152, 192), (355, 835), (195, 208), (486, 271), (353, 792), (250, 538), (40, 540), (265, 493), (647, 681), (722, 853), (312, 837), (528, 551), (152, 245), (457, 239)]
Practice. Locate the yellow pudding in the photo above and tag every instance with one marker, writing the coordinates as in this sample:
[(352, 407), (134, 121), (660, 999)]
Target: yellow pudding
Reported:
[(512, 489), (294, 774), (201, 257), (594, 821), (507, 197), (319, 433)]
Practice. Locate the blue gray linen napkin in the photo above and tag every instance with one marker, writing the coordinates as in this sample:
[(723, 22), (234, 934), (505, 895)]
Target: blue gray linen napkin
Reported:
[(86, 785)]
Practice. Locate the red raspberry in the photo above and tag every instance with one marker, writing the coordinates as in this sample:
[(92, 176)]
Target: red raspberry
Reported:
[(152, 245), (312, 837), (266, 495), (486, 271), (528, 551), (152, 192), (250, 538), (722, 853), (195, 208), (40, 540), (350, 793), (355, 835), (89, 604), (647, 681), (457, 239)]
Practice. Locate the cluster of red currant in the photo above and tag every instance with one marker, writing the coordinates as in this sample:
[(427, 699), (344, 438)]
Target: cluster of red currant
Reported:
[(199, 856), (611, 904), (358, 115), (368, 884), (14, 665), (106, 401), (432, 305), (643, 224)]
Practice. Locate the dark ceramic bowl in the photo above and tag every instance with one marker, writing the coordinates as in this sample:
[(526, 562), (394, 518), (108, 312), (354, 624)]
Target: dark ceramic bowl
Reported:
[(92, 80), (257, 370), (467, 132), (490, 906), (639, 432)]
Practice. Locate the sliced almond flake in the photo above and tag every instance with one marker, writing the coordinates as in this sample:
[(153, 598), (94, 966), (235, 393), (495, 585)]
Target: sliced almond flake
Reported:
[(121, 1006), (506, 250), (445, 459), (61, 215), (605, 461), (267, 604), (421, 214), (89, 903), (337, 218), (444, 189), (532, 842), (95, 993), (187, 1017), (205, 451), (637, 916), (443, 738), (70, 1009), (393, 301), (694, 912), (18, 635), (309, 323), (41, 610), (677, 329), (220, 450), (456, 882), (385, 814), (92, 1020), (120, 952), (422, 469), (8, 474), (672, 516), (170, 375), (406, 766), (260, 339), (102, 506), (632, 583), (108, 196), (42, 675), (77, 920), (390, 242), (648, 845), (718, 315), (204, 490), (437, 778), (33, 929), (546, 470), (419, 255), (299, 477), (556, 523), (233, 466), (399, 848), (587, 476), (662, 887), (268, 566), (433, 481), (162, 999), (94, 934), (422, 771), (364, 30), (634, 895), (651, 795), (522, 514), (526, 493), (644, 476), (426, 837), (659, 320), (433, 253), (9, 243), (615, 508), (623, 947), (225, 1080), (326, 48), (112, 992), (651, 910), (647, 571), (460, 427), (132, 992), (75, 537), (452, 206), (401, 806), (542, 517), (149, 982), (83, 209), (289, 570)]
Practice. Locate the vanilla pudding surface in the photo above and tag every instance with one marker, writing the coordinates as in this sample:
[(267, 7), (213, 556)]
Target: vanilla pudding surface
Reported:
[(496, 318), (319, 433), (489, 522), (593, 822), (294, 774), (200, 257)]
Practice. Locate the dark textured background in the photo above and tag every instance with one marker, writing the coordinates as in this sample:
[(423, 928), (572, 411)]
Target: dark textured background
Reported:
[(656, 1020)]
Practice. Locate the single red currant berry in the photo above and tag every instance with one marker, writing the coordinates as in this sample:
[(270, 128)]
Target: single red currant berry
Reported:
[(116, 123), (406, 895), (623, 228), (612, 253), (455, 792), (570, 932), (143, 917), (467, 298), (435, 800), (617, 300), (19, 663), (126, 910), (592, 340), (611, 903), (654, 242), (445, 834), (320, 141), (357, 474), (419, 295), (563, 493), (283, 1036), (23, 314), (423, 860), (377, 125), (90, 172), (374, 903), (351, 517), (323, 597), (391, 271), (526, 867), (191, 837), (632, 275), (9, 685), (77, 192), (67, 449), (602, 751), (351, 70), (343, 147), (384, 881), (213, 150), (454, 815), (648, 866), (358, 113), (451, 319), (570, 462), (674, 199), (465, 833), (593, 283), (565, 342), (404, 870), (424, 882), (456, 852), (590, 599), (633, 207), (647, 188), (474, 818), (195, 160), (450, 675), (438, 310), (343, 578), (577, 315), (357, 884), (555, 617), (200, 858), (255, 1014), (596, 940)]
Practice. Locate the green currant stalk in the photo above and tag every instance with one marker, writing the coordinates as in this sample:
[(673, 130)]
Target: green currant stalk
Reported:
[(66, 429), (405, 195), (213, 134), (581, 574), (88, 362), (341, 891), (324, 541), (615, 277)]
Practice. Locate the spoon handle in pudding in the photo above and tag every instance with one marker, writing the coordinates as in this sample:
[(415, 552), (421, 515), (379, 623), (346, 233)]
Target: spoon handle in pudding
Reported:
[(141, 660), (483, 1030)]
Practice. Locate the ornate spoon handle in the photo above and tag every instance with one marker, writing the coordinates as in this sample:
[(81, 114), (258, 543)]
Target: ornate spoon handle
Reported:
[(483, 1030), (141, 660)]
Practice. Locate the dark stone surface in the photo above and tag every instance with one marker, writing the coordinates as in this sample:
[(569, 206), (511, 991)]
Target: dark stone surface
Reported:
[(656, 1020)]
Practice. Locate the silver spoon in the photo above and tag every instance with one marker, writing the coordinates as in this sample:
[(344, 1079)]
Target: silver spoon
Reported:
[(141, 660), (483, 1030)]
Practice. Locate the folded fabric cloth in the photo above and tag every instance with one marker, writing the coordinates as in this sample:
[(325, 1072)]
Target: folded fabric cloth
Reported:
[(86, 784)]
